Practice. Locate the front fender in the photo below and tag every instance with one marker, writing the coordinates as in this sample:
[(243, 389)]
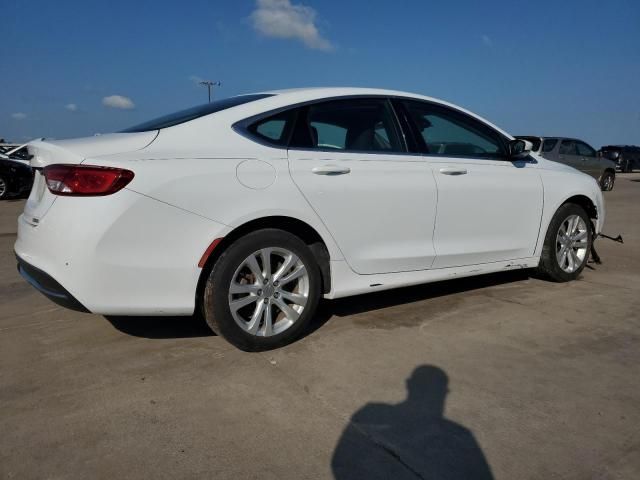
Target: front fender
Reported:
[(563, 185)]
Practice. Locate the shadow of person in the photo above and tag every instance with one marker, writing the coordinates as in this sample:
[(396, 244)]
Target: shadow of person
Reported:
[(412, 439)]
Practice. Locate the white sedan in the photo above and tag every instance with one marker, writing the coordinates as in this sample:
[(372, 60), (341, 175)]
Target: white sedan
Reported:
[(250, 209)]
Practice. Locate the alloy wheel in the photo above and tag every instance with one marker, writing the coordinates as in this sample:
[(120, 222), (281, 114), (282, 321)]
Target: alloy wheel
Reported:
[(3, 188), (268, 291), (572, 243)]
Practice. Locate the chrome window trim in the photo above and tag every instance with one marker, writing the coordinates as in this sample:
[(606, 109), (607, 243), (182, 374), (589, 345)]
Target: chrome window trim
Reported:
[(241, 127)]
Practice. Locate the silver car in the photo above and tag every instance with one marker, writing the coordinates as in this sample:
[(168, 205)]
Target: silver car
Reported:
[(577, 154)]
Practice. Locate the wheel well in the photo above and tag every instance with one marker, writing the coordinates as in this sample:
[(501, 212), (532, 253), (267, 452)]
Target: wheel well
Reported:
[(292, 225), (610, 170), (584, 202)]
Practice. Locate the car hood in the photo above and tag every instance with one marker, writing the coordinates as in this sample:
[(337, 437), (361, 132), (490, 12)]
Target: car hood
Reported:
[(76, 150)]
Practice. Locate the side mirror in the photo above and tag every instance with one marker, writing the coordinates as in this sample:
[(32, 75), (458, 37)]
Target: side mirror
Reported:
[(519, 149)]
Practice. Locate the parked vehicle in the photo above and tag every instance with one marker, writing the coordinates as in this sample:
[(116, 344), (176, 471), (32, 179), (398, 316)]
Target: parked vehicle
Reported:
[(15, 178), (626, 157), (15, 152), (577, 154), (253, 207)]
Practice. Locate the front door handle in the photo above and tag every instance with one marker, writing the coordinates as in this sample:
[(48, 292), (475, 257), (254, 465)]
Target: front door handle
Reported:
[(330, 170), (453, 171)]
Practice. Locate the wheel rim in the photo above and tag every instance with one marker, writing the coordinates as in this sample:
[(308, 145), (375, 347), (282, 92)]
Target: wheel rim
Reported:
[(268, 292), (3, 187), (571, 243), (608, 182)]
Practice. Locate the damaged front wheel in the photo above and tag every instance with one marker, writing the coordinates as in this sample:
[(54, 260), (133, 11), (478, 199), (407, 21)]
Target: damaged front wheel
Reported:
[(567, 244)]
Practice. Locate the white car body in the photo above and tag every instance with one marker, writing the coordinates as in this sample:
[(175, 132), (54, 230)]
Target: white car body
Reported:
[(395, 220)]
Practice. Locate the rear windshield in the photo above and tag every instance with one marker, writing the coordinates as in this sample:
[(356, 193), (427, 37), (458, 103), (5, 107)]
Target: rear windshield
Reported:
[(195, 112)]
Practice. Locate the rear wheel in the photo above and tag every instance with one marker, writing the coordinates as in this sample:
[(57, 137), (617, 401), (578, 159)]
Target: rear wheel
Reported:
[(567, 244), (607, 181), (263, 290)]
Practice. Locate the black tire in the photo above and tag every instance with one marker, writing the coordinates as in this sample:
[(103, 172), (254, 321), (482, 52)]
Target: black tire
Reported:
[(607, 181), (4, 188), (549, 266), (216, 308)]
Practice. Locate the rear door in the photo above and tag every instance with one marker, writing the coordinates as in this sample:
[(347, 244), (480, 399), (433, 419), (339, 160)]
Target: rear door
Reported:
[(489, 208), (349, 160)]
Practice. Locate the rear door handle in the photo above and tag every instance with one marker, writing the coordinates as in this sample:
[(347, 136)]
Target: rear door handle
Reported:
[(453, 171), (330, 170)]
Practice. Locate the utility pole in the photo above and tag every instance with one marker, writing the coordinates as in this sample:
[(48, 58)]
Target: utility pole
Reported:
[(209, 84)]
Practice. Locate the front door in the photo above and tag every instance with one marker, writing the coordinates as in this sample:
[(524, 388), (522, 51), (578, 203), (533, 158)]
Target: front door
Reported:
[(568, 154), (589, 159), (489, 208), (349, 161)]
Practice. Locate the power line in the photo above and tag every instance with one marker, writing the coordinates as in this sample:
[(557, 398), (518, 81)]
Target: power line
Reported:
[(209, 84)]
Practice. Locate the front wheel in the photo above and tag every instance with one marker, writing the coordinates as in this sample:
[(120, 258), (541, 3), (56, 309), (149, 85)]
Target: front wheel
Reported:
[(263, 290), (607, 181), (567, 244), (4, 189)]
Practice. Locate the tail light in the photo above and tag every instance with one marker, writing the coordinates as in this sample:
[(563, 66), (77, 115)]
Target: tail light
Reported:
[(85, 180)]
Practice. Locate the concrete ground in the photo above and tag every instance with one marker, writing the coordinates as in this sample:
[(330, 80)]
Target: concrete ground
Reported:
[(501, 376)]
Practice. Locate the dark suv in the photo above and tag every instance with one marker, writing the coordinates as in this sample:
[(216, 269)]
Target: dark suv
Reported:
[(626, 157)]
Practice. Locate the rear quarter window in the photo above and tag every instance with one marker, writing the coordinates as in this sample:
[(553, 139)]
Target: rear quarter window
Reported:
[(274, 130)]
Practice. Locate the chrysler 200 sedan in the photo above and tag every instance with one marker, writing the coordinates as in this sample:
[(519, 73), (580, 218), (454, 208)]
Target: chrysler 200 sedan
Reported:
[(251, 209)]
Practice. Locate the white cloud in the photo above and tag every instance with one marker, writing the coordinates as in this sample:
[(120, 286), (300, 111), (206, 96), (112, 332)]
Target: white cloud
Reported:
[(72, 107), (486, 41), (196, 79), (281, 19), (118, 101), (18, 116)]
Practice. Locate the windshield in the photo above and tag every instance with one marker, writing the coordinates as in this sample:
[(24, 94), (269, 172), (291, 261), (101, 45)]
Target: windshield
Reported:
[(195, 112)]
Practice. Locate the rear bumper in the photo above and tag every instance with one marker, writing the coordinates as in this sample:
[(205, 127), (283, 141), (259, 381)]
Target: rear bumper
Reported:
[(124, 254), (48, 286)]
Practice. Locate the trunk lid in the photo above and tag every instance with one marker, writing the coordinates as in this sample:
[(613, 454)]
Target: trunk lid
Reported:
[(73, 151)]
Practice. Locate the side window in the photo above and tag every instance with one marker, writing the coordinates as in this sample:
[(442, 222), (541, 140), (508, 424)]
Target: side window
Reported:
[(364, 125), (275, 129), (585, 150), (453, 134), (549, 144), (567, 147)]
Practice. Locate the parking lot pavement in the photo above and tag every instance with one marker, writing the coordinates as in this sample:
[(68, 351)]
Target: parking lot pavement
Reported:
[(502, 376)]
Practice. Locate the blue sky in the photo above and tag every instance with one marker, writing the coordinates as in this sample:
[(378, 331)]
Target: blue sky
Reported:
[(552, 68)]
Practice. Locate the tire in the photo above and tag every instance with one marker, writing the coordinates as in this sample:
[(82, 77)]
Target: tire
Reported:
[(553, 264), (4, 188), (246, 326), (607, 181)]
